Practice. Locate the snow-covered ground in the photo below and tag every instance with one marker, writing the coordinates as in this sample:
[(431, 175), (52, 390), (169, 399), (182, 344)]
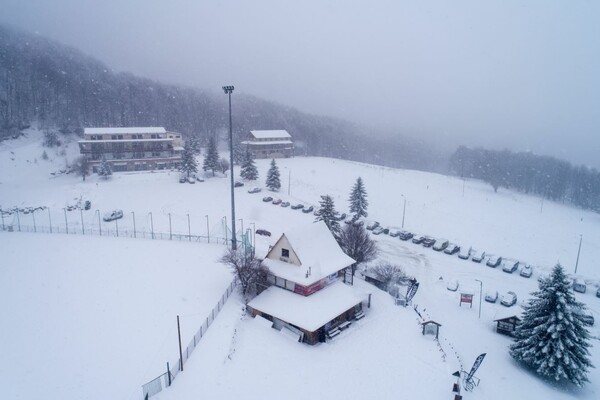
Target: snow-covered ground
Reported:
[(64, 284)]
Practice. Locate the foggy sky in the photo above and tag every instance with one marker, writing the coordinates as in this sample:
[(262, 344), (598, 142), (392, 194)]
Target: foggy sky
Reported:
[(523, 75)]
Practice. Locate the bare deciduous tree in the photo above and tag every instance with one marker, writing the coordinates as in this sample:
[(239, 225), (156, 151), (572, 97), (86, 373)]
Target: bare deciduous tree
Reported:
[(356, 243), (250, 273), (391, 274)]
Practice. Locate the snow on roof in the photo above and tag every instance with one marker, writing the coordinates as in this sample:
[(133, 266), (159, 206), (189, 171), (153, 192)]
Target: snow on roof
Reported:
[(308, 312), (271, 134), (115, 131), (316, 248), (251, 143), (507, 313)]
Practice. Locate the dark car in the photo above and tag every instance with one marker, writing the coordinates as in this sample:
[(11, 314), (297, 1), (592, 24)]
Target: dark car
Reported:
[(238, 184), (87, 205), (297, 206), (263, 232), (267, 199), (452, 249), (428, 241), (405, 235), (418, 239), (285, 204), (308, 210)]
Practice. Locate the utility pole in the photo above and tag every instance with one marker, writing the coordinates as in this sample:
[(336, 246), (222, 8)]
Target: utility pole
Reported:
[(207, 229), (49, 220), (189, 228), (480, 290), (99, 222), (133, 214), (151, 225), (82, 227), (228, 90), (578, 252), (180, 351), (66, 222)]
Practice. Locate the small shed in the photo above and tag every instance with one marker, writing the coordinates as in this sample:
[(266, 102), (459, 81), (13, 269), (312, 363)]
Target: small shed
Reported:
[(507, 325), (371, 277), (431, 327)]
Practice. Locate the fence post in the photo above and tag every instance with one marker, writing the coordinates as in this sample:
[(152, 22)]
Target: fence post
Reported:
[(33, 215), (66, 222), (180, 352), (18, 220), (169, 373)]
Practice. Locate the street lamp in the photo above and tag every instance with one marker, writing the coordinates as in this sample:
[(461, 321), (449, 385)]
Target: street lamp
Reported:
[(578, 252), (480, 290), (253, 237), (207, 229), (99, 222), (403, 210), (228, 90)]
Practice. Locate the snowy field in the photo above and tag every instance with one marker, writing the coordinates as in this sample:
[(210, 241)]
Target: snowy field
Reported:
[(77, 288)]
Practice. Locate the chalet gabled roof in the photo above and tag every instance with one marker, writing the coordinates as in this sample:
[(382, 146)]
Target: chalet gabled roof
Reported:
[(271, 134), (316, 248), (127, 130)]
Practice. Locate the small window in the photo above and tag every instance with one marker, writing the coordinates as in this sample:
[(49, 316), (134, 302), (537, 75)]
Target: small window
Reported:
[(285, 253)]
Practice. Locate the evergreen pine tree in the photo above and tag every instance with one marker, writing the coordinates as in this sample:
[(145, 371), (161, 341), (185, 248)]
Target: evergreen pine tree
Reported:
[(552, 338), (211, 159), (329, 215), (249, 170), (188, 160), (104, 170), (358, 200), (273, 182)]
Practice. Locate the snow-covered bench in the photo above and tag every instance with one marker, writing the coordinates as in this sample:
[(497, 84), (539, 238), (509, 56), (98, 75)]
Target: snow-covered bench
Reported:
[(344, 325), (359, 315), (333, 333)]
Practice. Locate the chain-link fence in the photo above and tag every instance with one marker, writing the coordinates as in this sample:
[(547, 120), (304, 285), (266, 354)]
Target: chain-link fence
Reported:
[(166, 379)]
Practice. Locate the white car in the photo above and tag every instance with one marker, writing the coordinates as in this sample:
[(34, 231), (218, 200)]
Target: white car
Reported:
[(464, 253), (509, 299), (452, 285), (526, 271), (491, 296), (510, 266), (478, 256), (111, 216)]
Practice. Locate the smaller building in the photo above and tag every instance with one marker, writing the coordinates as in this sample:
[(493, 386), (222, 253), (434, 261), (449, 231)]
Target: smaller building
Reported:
[(507, 323), (270, 144)]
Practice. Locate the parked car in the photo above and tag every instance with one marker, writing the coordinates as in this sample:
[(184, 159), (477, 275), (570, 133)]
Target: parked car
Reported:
[(371, 226), (308, 210), (510, 266), (254, 190), (182, 179), (405, 235), (579, 285), (428, 241), (491, 296), (87, 205), (277, 201), (285, 204), (452, 249), (464, 253), (238, 184), (440, 245), (267, 199), (452, 285), (598, 292), (494, 261), (418, 239), (586, 316), (394, 233), (297, 206), (358, 222), (477, 256), (386, 231), (509, 299), (191, 179), (111, 216), (377, 230), (526, 271), (263, 232)]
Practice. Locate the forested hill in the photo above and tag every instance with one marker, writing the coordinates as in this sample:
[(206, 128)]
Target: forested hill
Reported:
[(58, 87)]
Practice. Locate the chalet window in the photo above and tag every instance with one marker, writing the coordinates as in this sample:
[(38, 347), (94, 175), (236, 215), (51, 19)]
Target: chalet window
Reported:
[(113, 137), (153, 136), (285, 253)]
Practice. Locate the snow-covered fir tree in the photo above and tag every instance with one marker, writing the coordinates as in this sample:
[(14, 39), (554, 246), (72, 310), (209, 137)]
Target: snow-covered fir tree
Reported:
[(273, 182), (552, 338), (193, 142), (104, 170), (358, 200), (188, 160), (211, 159), (239, 153), (249, 171), (329, 215)]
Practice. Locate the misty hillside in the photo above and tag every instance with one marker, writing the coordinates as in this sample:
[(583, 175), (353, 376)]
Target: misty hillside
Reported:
[(58, 87)]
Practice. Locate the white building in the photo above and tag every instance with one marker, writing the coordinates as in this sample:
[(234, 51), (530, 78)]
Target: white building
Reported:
[(132, 149), (270, 144)]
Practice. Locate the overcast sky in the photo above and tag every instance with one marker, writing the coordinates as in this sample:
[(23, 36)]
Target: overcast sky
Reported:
[(523, 75)]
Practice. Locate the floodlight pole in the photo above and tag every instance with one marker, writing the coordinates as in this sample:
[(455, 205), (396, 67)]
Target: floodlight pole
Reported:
[(480, 290), (228, 90), (403, 210), (578, 252)]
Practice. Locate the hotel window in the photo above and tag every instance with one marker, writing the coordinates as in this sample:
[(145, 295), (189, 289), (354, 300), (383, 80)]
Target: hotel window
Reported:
[(285, 253)]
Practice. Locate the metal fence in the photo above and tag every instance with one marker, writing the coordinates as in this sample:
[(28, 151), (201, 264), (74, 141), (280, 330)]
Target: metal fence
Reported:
[(166, 379)]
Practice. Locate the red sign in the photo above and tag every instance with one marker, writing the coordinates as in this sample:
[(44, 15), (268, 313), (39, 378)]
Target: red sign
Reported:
[(466, 298)]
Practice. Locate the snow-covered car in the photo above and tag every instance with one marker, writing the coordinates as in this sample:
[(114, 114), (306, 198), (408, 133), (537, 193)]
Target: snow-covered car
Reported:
[(254, 190), (372, 225), (510, 266), (494, 261), (182, 179), (509, 299), (394, 233), (238, 184), (491, 296), (358, 222), (405, 235), (477, 256), (441, 244), (298, 206), (191, 179), (111, 216), (526, 271), (428, 241), (267, 199), (377, 230), (285, 204), (277, 201), (386, 231), (586, 316), (308, 210), (418, 239), (317, 213), (263, 232), (579, 285), (464, 253), (342, 217), (452, 249), (452, 285)]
